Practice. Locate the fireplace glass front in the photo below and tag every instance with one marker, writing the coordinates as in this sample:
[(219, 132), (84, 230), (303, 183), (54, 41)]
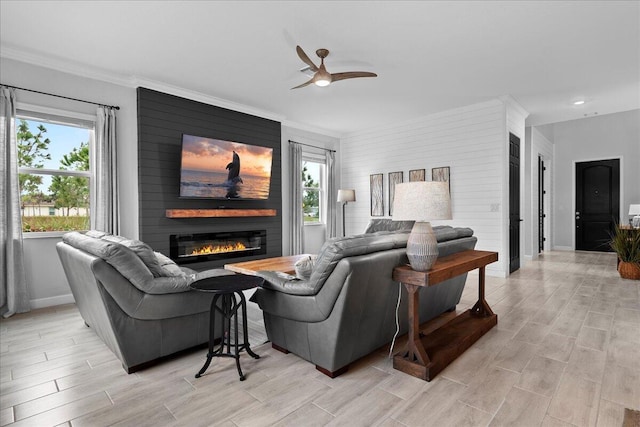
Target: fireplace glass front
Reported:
[(186, 248)]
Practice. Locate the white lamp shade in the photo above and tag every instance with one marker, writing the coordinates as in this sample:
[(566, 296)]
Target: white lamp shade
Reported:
[(421, 201), (634, 209), (346, 195)]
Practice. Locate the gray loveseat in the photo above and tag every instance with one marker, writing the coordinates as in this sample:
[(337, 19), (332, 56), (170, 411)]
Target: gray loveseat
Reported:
[(136, 300), (346, 308)]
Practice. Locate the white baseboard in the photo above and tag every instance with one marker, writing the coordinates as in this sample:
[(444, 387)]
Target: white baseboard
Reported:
[(562, 248), (51, 301)]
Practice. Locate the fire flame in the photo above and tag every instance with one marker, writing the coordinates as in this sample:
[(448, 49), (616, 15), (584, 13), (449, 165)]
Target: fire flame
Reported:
[(218, 249)]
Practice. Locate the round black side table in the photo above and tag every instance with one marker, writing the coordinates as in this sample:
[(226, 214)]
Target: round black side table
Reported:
[(227, 287)]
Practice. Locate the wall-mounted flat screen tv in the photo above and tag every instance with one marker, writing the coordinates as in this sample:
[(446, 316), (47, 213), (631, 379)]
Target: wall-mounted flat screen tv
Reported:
[(216, 169)]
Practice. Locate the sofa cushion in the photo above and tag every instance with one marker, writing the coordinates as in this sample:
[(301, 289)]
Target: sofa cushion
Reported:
[(335, 249), (444, 233), (129, 265), (120, 257), (170, 268), (95, 233), (385, 224), (141, 249), (286, 283), (463, 232), (176, 284)]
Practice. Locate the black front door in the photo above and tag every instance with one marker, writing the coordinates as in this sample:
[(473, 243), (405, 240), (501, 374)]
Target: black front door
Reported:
[(597, 203), (514, 203)]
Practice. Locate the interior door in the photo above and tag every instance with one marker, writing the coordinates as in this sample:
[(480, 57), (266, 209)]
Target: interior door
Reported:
[(514, 203), (541, 214), (597, 203)]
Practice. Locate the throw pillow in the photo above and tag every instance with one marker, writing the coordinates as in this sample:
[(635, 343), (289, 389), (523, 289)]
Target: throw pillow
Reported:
[(304, 267), (144, 252)]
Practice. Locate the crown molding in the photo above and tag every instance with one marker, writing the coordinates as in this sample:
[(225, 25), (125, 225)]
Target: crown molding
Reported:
[(312, 129), (204, 98), (64, 66)]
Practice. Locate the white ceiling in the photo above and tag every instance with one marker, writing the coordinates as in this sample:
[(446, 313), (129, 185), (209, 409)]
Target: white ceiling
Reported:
[(429, 56)]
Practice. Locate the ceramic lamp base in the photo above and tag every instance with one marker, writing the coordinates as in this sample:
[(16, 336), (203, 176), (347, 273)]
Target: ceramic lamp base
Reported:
[(422, 247)]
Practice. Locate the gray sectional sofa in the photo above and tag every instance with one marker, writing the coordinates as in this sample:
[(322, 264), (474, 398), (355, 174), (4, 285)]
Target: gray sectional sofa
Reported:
[(346, 309), (136, 300)]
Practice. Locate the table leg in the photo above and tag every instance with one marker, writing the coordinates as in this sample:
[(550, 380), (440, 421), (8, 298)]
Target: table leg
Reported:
[(226, 315), (212, 327), (229, 309), (415, 351), (234, 313), (245, 330), (481, 308)]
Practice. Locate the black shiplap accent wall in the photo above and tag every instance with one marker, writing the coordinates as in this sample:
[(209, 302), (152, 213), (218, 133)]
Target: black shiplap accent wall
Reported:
[(162, 119)]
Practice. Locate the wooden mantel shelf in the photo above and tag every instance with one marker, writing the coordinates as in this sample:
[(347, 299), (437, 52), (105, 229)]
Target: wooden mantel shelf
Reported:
[(217, 213)]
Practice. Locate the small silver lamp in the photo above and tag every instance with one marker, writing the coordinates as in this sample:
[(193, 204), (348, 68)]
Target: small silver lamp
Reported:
[(634, 211), (345, 196), (422, 201)]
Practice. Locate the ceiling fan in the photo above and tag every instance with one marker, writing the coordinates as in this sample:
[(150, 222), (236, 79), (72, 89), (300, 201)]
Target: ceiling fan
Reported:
[(322, 77)]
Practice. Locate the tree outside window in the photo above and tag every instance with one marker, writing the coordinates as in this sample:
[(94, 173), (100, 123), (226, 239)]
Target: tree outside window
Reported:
[(53, 161), (312, 191)]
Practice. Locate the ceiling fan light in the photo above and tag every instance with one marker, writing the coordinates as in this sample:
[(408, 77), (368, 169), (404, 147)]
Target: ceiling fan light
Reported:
[(322, 82)]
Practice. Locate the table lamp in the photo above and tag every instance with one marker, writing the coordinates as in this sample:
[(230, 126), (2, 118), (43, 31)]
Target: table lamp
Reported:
[(634, 210), (422, 201), (345, 196)]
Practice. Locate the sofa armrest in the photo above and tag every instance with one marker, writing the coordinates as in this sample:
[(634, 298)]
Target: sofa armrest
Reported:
[(285, 283)]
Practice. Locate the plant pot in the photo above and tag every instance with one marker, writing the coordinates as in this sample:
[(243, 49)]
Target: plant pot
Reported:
[(629, 270)]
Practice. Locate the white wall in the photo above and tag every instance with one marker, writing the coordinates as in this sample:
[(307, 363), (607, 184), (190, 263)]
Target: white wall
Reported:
[(470, 140), (314, 235), (594, 138), (45, 278)]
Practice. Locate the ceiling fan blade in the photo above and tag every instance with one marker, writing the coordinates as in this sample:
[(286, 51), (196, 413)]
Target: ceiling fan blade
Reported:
[(303, 84), (351, 75), (306, 59)]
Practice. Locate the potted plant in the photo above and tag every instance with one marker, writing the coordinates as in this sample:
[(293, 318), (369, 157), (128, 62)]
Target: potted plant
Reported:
[(626, 243)]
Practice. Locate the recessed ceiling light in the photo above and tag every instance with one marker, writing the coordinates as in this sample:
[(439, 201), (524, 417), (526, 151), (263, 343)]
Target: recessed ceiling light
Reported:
[(579, 102)]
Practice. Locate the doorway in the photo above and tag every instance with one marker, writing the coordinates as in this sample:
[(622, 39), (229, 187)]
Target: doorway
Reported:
[(597, 203), (514, 203)]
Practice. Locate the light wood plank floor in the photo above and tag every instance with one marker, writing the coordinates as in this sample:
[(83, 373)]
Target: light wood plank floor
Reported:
[(565, 352)]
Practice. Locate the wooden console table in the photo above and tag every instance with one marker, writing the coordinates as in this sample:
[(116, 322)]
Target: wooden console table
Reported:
[(426, 355)]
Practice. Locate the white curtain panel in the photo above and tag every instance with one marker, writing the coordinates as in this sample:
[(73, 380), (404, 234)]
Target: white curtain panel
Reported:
[(297, 222), (104, 187), (330, 157), (14, 297)]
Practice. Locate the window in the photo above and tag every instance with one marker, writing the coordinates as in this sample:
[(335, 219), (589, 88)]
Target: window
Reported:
[(313, 173), (54, 170)]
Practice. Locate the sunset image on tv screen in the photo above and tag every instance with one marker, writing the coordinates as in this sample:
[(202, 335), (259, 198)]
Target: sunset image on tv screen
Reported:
[(212, 168)]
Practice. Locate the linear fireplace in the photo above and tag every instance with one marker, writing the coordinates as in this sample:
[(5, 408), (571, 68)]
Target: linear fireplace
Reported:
[(186, 248)]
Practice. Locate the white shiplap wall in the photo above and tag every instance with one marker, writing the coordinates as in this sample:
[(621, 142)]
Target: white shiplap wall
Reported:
[(470, 140)]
